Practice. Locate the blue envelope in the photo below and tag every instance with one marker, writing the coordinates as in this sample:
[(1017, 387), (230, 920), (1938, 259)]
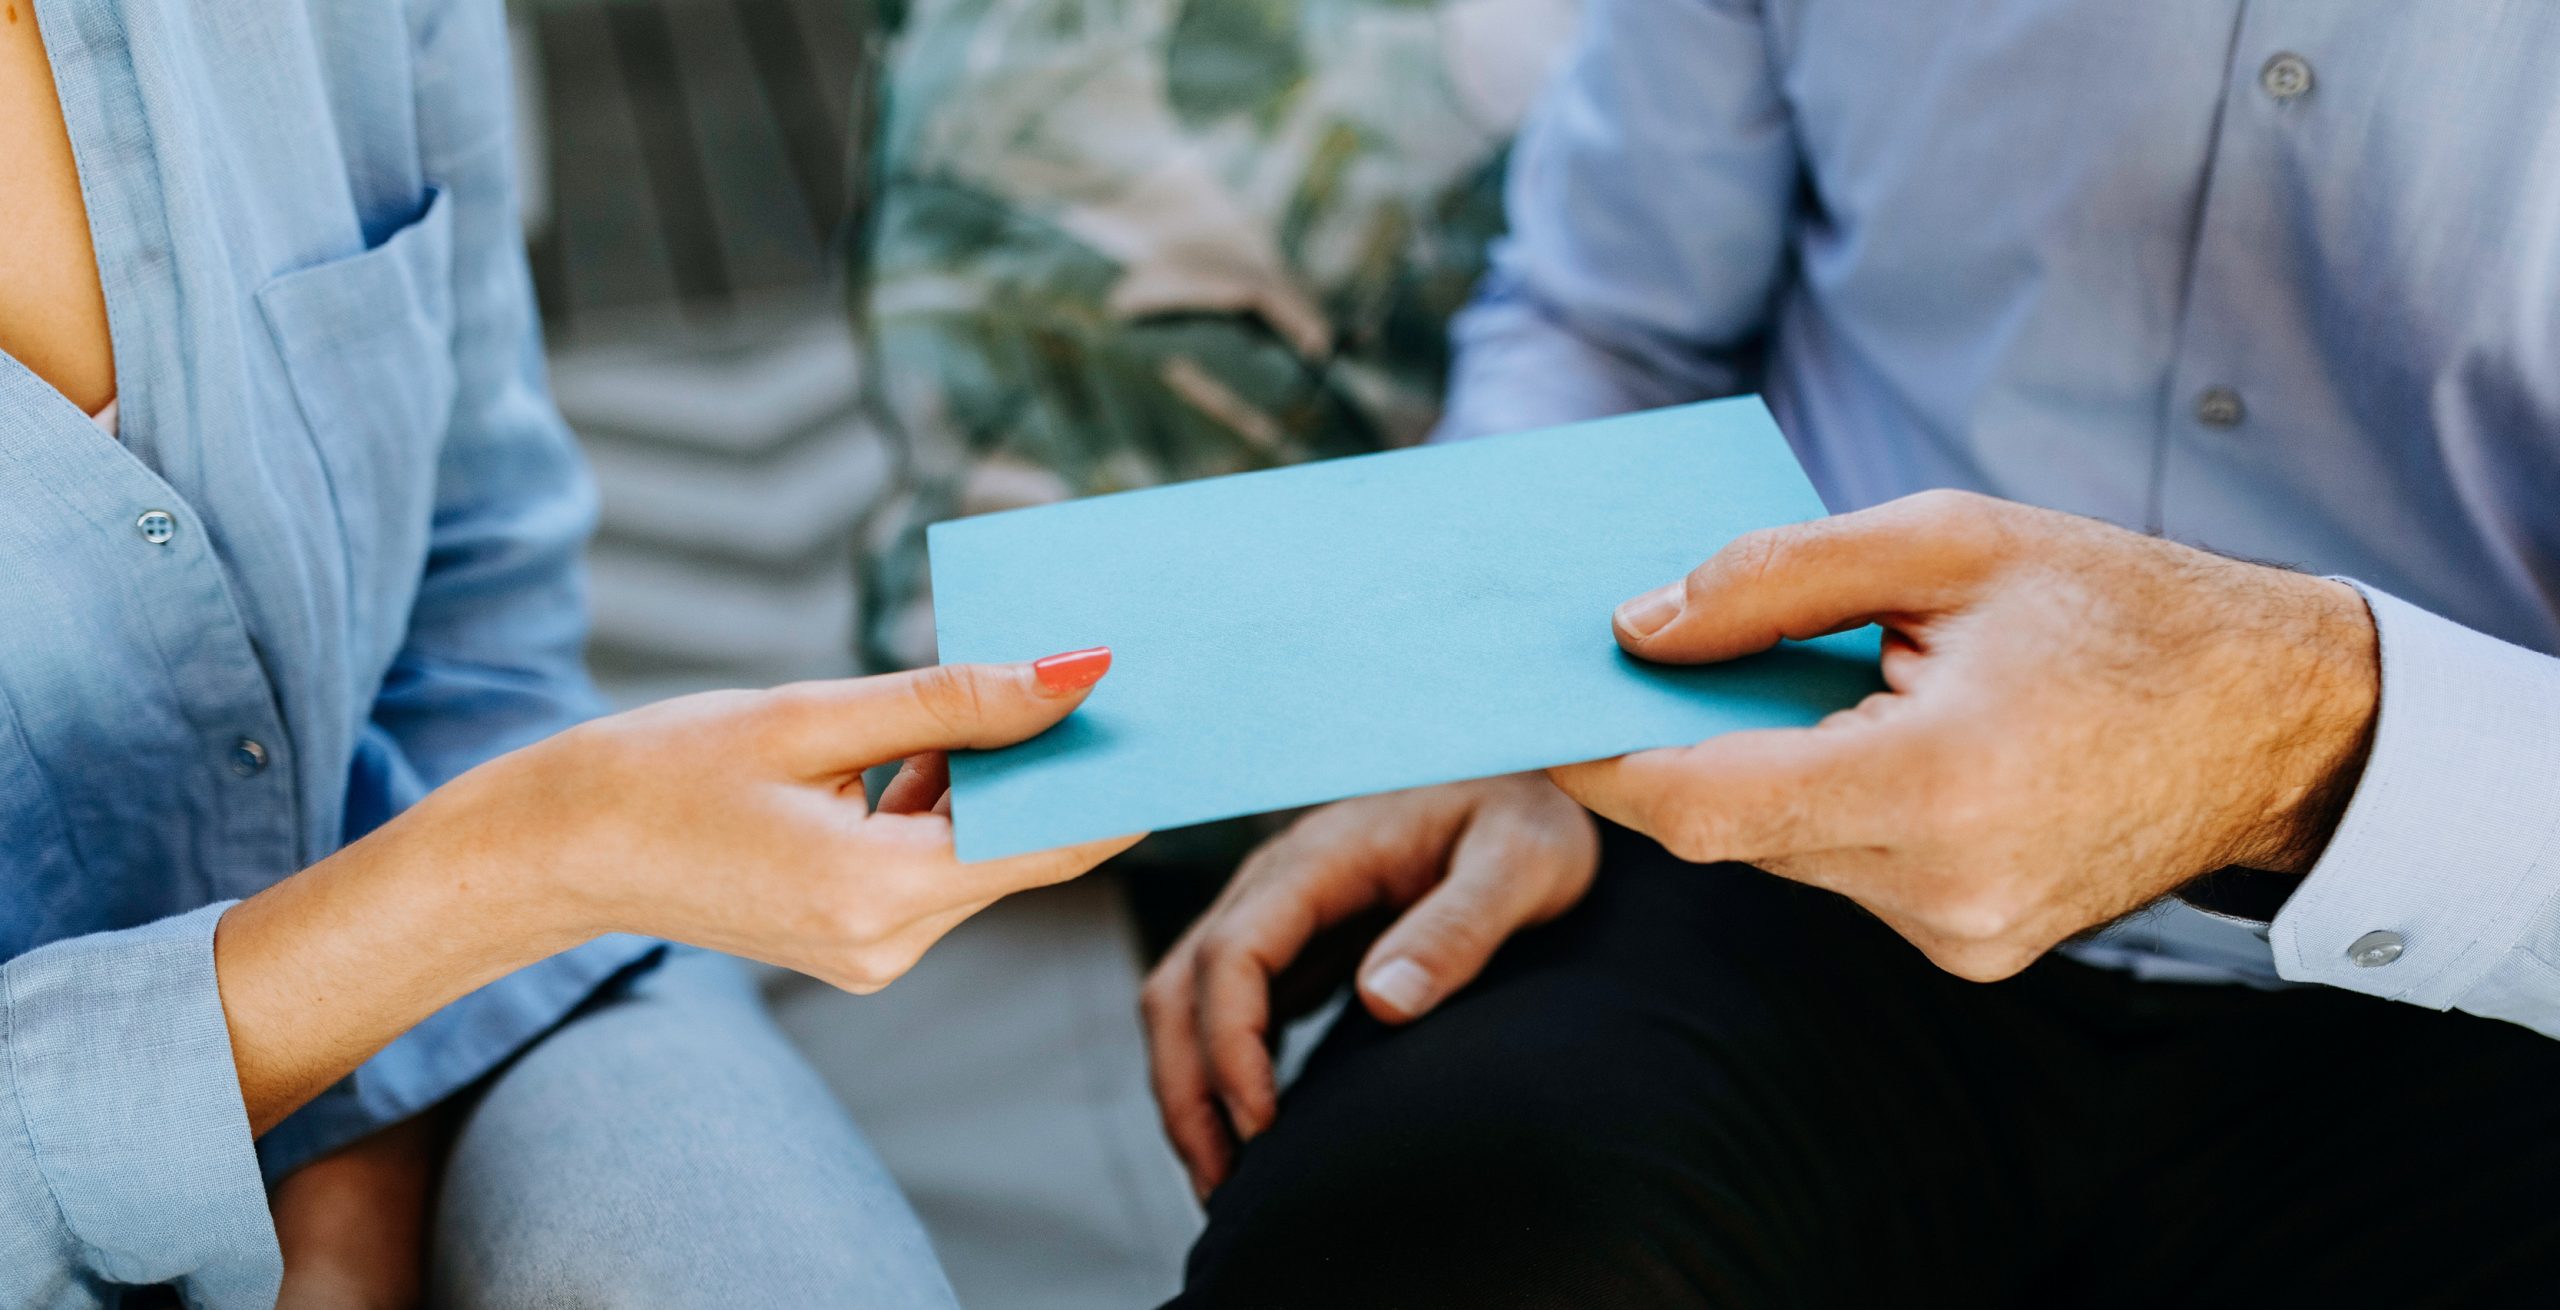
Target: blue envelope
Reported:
[(1301, 635)]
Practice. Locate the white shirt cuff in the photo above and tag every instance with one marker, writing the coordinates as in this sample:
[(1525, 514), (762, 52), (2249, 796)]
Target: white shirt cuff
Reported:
[(2438, 887)]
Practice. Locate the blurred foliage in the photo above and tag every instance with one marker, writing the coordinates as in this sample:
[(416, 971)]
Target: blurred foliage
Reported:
[(1120, 242)]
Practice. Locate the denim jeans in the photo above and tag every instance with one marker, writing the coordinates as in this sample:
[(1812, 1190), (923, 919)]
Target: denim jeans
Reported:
[(667, 1148)]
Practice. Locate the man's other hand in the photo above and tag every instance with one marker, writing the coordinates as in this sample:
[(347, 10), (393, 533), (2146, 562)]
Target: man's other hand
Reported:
[(1459, 868)]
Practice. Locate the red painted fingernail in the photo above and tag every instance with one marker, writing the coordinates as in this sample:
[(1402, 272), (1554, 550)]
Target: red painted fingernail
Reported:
[(1073, 671)]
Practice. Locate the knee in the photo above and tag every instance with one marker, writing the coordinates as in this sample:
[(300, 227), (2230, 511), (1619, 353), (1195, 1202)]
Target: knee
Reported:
[(1447, 1183), (670, 1150)]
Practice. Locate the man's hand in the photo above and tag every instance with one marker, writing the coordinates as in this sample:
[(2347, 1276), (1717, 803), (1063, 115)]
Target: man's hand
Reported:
[(2079, 720), (1463, 867)]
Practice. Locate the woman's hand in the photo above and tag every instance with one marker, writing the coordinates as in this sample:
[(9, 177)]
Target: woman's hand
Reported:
[(730, 820), (736, 820), (1461, 867)]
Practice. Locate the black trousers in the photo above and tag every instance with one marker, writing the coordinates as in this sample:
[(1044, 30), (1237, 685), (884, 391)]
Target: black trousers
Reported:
[(1710, 1087)]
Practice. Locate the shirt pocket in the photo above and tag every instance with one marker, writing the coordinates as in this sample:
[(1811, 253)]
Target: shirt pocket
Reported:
[(367, 343)]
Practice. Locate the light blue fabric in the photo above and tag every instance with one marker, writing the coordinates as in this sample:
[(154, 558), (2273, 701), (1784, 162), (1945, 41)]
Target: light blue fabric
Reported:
[(671, 1150), (329, 376), (2011, 245)]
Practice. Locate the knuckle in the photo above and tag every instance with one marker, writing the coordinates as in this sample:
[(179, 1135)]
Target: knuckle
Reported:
[(949, 697), (1220, 941), (1689, 833), (1978, 914), (1539, 852), (1327, 828), (1690, 843), (1456, 933), (856, 975), (784, 702), (1745, 561), (1942, 503), (1160, 998), (1956, 817), (874, 968), (1972, 522), (770, 717), (1963, 788), (1947, 510), (859, 922), (1565, 837), (1980, 963)]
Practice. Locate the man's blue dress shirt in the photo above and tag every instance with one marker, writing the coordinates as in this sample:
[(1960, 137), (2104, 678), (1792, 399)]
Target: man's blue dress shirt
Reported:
[(331, 563), (2277, 277)]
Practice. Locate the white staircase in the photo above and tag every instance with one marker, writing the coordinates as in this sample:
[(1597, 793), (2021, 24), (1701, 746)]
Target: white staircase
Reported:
[(735, 470)]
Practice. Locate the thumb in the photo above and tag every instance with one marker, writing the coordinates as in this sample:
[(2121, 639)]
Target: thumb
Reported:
[(1907, 557), (1503, 876), (834, 728)]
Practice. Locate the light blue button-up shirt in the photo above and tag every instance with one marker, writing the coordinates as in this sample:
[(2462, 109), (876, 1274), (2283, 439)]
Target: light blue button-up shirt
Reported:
[(2277, 277), (365, 582)]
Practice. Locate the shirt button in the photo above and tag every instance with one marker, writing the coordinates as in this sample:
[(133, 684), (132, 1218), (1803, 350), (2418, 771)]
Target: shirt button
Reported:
[(2286, 76), (156, 526), (248, 758), (2220, 407), (2375, 949)]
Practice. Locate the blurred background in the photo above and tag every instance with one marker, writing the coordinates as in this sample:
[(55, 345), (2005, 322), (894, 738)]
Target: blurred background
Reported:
[(689, 189), (818, 272)]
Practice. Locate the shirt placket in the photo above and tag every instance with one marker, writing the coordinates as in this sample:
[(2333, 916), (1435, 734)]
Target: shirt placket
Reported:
[(236, 751), (2220, 405)]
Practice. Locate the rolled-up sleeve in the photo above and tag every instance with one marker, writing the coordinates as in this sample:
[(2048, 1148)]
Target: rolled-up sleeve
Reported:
[(125, 1154), (1650, 195), (2441, 886)]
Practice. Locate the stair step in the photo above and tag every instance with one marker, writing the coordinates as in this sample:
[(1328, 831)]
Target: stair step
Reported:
[(678, 608), (748, 398), (775, 511)]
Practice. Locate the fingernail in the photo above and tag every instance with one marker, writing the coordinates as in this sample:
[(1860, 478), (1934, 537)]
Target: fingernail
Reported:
[(1645, 615), (1073, 671), (1404, 986)]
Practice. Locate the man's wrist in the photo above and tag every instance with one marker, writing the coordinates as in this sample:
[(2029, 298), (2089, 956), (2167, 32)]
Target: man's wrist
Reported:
[(2336, 663)]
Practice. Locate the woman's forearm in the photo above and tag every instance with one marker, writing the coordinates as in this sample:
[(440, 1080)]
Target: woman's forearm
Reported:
[(733, 821), (328, 966)]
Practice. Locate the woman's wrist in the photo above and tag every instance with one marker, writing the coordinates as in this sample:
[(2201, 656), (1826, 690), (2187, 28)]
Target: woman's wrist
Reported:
[(325, 968), (479, 854)]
